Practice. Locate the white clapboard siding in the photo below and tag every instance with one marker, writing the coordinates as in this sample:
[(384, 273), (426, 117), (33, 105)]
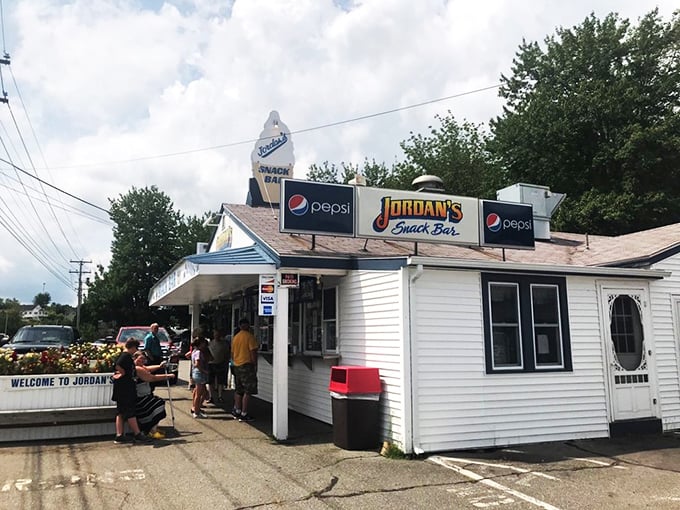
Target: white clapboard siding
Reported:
[(371, 334), (457, 405), (665, 341), (307, 389)]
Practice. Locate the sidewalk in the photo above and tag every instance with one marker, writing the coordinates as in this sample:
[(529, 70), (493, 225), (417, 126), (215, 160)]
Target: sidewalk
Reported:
[(221, 462)]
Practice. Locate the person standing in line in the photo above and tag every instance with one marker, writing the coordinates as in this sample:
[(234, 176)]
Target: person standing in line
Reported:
[(199, 372), (125, 395), (152, 345), (217, 367), (244, 359)]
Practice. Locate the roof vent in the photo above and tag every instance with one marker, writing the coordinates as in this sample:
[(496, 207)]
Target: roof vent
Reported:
[(544, 203), (359, 180), (428, 183)]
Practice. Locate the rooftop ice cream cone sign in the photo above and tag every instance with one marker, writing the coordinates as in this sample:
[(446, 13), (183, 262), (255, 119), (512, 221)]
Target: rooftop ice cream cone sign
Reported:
[(272, 158)]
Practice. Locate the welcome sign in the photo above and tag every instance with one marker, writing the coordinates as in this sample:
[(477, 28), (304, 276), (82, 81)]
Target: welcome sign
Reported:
[(416, 216)]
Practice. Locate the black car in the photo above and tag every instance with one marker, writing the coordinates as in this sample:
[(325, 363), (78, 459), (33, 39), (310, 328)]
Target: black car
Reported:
[(41, 337)]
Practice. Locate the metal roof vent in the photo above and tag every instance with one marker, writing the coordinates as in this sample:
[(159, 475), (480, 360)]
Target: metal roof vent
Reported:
[(428, 183), (359, 180), (544, 203)]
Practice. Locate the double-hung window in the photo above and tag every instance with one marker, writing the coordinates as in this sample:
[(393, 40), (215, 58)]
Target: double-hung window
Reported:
[(525, 323)]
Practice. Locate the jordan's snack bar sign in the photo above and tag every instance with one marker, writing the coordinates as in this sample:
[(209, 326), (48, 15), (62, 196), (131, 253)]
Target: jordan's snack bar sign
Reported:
[(272, 158), (415, 216), (356, 211)]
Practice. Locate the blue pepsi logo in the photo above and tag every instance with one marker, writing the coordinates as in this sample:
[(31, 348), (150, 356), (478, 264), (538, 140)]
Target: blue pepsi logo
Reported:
[(494, 222), (298, 205)]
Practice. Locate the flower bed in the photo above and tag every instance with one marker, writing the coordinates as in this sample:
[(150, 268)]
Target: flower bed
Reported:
[(77, 359)]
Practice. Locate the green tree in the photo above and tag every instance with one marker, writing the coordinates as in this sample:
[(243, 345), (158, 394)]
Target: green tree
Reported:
[(455, 152), (595, 113), (42, 299), (149, 237), (10, 316), (326, 172)]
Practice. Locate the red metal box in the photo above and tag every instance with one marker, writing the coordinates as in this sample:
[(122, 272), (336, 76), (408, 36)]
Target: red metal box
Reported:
[(354, 380)]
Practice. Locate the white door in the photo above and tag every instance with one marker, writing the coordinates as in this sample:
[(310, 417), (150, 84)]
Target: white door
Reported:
[(628, 348)]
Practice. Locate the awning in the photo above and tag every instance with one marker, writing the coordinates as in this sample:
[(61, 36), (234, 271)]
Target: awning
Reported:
[(200, 278)]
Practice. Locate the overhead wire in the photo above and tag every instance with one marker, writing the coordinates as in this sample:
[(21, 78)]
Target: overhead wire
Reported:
[(37, 214), (18, 225), (54, 216), (294, 132), (55, 187), (35, 138), (64, 206), (31, 241)]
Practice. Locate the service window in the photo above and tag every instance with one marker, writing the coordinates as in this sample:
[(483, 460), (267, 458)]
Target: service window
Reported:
[(329, 319), (312, 318), (525, 323)]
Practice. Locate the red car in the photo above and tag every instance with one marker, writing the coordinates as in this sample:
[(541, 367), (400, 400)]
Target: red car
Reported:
[(170, 352)]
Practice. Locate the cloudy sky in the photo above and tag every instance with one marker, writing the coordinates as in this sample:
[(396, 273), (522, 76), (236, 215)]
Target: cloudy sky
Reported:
[(107, 95)]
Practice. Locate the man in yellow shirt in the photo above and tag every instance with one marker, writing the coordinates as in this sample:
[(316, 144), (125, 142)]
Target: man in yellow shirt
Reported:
[(244, 359)]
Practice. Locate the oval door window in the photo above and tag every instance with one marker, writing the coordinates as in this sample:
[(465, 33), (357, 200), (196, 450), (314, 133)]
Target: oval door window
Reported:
[(626, 330)]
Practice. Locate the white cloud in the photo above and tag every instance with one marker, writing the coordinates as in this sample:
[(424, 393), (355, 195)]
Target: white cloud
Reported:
[(111, 81)]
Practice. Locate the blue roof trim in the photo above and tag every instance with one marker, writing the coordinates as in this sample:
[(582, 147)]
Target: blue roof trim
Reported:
[(248, 255)]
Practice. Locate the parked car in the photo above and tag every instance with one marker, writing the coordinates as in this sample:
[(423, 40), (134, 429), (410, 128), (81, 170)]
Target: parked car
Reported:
[(104, 341), (4, 338), (41, 337), (170, 352)]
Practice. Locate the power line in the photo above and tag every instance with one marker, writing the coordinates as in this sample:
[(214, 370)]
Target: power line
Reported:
[(35, 138), (299, 131), (54, 187), (64, 207)]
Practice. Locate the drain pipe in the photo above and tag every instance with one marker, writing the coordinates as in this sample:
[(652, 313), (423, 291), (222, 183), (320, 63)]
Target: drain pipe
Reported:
[(409, 432)]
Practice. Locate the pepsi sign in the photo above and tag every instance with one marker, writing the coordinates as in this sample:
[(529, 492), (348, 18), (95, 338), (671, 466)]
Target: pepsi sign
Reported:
[(316, 208), (506, 225)]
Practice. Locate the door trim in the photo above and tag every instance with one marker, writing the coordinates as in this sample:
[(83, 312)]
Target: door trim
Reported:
[(604, 287)]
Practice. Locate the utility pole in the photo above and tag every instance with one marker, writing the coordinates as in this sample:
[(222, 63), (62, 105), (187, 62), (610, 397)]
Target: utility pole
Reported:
[(80, 285)]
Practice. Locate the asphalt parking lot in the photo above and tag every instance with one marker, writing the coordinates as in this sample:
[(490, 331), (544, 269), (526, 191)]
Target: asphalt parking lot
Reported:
[(220, 462)]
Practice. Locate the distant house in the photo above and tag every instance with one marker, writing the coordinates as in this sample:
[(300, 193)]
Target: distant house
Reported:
[(32, 312)]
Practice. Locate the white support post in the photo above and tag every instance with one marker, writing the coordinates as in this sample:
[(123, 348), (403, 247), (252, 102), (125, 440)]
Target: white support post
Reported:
[(280, 366), (195, 311)]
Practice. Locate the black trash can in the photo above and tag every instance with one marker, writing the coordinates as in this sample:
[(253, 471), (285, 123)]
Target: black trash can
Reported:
[(355, 396)]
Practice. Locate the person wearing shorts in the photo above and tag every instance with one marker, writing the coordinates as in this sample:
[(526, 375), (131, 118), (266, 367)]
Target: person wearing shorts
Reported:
[(199, 373), (244, 361)]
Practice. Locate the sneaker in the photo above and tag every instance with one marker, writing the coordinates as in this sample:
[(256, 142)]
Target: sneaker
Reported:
[(236, 413), (121, 440), (142, 439), (199, 414), (157, 435), (246, 417)]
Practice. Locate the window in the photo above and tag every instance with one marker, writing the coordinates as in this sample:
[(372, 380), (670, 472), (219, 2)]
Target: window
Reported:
[(626, 331), (328, 319), (314, 322), (525, 325)]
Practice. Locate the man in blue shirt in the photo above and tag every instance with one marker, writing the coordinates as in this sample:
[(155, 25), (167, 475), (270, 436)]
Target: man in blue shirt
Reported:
[(152, 345)]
